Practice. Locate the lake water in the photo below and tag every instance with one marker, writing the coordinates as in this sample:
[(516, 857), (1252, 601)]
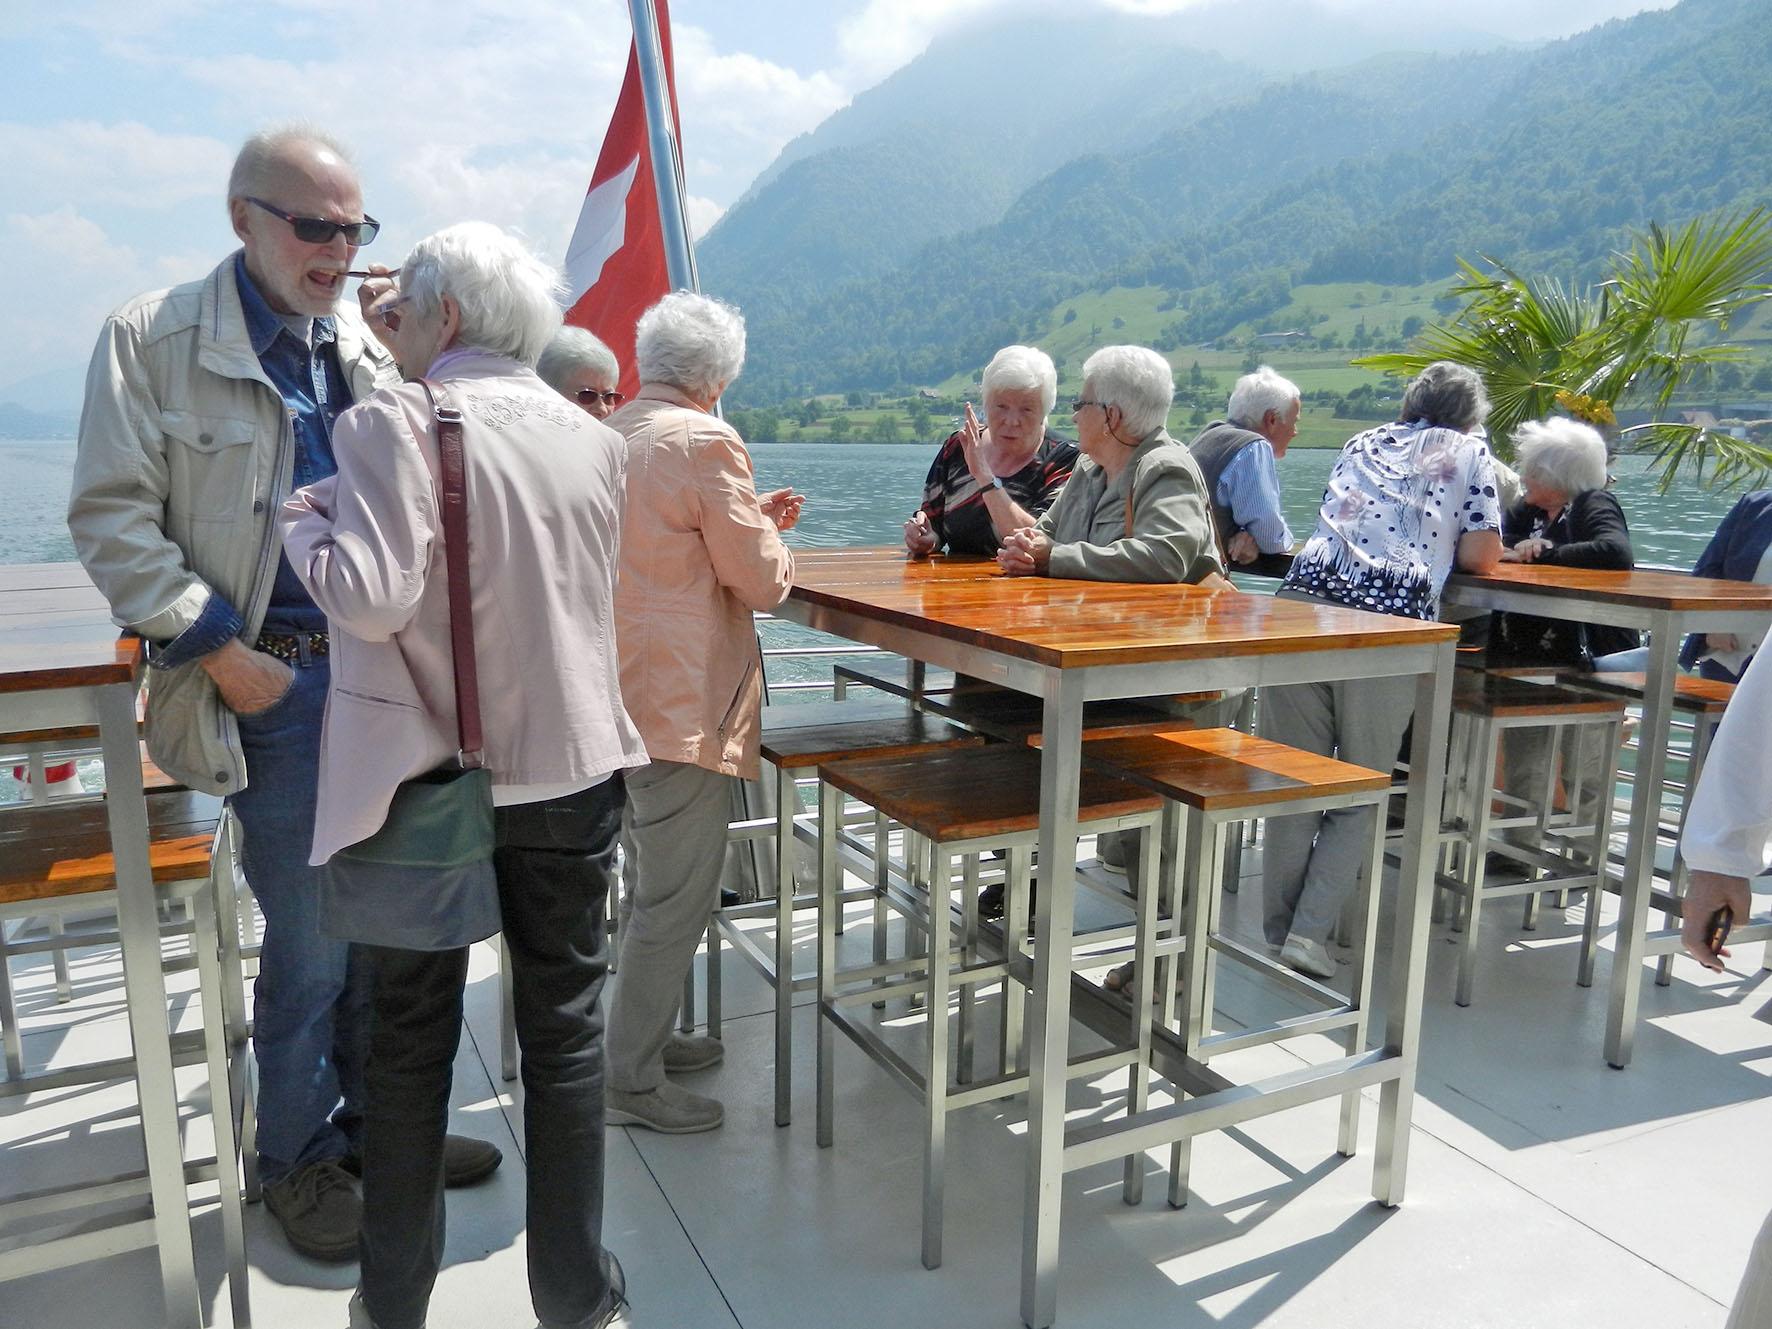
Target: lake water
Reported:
[(861, 493)]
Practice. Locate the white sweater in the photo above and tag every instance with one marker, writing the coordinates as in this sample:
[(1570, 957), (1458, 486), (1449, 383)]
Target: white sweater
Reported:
[(1729, 826)]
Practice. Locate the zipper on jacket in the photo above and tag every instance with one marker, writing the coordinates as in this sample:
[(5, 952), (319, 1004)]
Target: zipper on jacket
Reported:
[(737, 696)]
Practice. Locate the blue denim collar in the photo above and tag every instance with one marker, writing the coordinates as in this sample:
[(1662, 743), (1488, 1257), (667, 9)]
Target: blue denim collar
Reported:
[(263, 324)]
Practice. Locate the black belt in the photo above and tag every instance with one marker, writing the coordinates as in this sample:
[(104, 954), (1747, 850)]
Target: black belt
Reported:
[(287, 646)]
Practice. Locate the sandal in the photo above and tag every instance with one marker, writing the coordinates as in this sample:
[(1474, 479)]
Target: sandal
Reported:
[(1120, 978)]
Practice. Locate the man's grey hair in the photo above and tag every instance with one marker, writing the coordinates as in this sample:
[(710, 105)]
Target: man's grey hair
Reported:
[(690, 342), (572, 350), (1258, 393), (262, 156), (509, 298), (1560, 454), (1448, 395), (1137, 380), (1022, 369)]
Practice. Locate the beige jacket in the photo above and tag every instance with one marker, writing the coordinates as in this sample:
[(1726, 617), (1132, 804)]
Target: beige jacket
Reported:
[(698, 556), (544, 521), (1165, 534), (185, 454)]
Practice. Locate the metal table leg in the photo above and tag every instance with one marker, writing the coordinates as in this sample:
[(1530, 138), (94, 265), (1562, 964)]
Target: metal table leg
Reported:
[(1049, 1012), (139, 931), (1415, 885), (1639, 859)]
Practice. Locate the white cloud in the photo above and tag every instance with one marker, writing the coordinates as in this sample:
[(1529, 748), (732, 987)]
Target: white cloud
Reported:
[(889, 33), (128, 164), (703, 213)]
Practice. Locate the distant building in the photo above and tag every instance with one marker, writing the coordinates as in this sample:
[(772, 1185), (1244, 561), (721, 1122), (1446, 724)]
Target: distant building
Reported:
[(1280, 338)]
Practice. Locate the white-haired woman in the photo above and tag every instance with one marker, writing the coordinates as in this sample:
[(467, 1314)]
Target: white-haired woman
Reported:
[(544, 481), (700, 551), (579, 367), (1000, 475), (1135, 508), (1568, 517), (1404, 504)]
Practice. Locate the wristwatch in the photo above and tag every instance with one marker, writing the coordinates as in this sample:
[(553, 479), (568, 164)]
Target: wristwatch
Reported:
[(997, 480)]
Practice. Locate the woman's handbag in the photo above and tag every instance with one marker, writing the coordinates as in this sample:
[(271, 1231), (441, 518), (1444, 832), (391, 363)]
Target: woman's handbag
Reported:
[(425, 881)]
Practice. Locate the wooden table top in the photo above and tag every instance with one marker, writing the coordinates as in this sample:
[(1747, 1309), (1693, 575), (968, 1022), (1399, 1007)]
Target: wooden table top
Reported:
[(1076, 624), (56, 631), (1641, 590)]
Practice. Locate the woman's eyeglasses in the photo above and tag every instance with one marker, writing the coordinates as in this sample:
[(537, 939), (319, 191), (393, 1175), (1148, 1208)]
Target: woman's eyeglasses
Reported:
[(319, 231), (1081, 402), (590, 397), (389, 314)]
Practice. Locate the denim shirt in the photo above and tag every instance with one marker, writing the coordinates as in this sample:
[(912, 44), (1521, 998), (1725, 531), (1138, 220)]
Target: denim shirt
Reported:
[(315, 391)]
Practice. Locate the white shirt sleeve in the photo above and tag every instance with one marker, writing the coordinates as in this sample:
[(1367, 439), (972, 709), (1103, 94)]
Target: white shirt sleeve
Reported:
[(1729, 825)]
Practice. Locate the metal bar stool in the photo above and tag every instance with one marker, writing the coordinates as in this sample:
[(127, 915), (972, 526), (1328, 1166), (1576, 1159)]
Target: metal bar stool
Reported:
[(58, 859), (1211, 780), (1486, 705), (961, 803), (797, 741)]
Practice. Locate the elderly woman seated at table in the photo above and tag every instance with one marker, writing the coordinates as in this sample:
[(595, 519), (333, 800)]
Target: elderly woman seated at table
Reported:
[(578, 366), (997, 476), (1405, 503), (1568, 518), (1135, 509)]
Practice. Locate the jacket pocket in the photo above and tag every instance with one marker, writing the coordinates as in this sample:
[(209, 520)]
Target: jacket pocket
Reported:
[(732, 706), (211, 470)]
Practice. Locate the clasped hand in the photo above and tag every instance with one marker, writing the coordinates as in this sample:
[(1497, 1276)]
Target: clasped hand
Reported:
[(782, 506), (1528, 551), (1025, 553)]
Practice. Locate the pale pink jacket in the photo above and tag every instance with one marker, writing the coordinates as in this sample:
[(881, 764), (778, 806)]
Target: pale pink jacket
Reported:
[(544, 523), (697, 557)]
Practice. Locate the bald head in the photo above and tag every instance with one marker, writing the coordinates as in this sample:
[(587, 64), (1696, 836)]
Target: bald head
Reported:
[(282, 180), (271, 155)]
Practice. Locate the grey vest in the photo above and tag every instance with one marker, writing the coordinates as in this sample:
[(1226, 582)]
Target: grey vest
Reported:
[(1215, 448)]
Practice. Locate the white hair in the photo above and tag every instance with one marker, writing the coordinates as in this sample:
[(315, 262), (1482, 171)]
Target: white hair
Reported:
[(1022, 369), (1564, 455), (1137, 380), (1447, 395), (264, 156), (690, 342), (509, 298), (574, 349), (1258, 393)]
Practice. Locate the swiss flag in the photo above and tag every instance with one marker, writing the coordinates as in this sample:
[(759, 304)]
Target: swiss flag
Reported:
[(615, 263)]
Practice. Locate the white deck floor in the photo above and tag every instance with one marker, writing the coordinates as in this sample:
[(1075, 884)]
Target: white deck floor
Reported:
[(1544, 1188)]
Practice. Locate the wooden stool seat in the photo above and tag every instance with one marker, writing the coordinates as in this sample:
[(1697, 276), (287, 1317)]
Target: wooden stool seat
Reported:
[(1498, 697), (976, 793), (805, 736), (53, 852), (1692, 694), (1223, 770), (1017, 717)]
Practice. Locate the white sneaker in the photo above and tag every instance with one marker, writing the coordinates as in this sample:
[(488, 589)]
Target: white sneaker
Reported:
[(1307, 956)]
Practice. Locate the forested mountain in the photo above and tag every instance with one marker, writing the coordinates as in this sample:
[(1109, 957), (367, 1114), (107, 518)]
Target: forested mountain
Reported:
[(1380, 171)]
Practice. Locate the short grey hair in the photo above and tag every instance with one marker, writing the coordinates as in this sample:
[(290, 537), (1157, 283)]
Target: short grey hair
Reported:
[(690, 342), (1258, 393), (1022, 369), (509, 298), (1448, 395), (572, 350), (1137, 380), (260, 157), (1564, 455)]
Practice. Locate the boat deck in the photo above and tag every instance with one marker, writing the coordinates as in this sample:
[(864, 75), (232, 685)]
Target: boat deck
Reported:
[(1545, 1188)]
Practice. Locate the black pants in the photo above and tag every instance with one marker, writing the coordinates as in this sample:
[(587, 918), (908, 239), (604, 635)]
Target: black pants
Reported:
[(553, 862)]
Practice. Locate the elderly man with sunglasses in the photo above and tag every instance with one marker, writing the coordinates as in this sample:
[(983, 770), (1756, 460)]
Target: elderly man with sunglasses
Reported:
[(206, 406)]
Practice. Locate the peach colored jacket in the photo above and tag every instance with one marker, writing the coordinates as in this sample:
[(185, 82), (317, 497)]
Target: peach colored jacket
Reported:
[(697, 556), (544, 527)]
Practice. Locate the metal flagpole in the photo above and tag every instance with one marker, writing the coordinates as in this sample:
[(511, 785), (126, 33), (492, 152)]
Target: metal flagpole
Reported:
[(667, 155)]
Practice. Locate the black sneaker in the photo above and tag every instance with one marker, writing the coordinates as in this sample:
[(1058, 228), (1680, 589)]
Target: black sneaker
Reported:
[(318, 1209), (466, 1161)]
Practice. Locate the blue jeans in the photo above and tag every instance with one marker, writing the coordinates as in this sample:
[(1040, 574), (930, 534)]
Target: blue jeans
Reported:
[(310, 1003)]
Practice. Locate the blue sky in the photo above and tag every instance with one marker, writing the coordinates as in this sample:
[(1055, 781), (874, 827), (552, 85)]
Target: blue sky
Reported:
[(121, 118)]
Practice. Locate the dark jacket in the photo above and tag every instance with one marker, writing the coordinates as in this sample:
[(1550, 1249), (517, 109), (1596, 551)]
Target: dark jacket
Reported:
[(1733, 553), (1590, 532)]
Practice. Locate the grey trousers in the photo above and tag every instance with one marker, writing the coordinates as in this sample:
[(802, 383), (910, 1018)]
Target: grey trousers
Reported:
[(675, 828), (1753, 1299), (1310, 863), (1530, 755)]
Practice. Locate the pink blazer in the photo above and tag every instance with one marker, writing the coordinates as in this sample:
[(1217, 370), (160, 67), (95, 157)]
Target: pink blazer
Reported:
[(698, 557), (544, 520)]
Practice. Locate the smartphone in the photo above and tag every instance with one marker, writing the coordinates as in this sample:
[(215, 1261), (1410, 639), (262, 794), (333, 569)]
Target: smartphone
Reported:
[(1716, 930)]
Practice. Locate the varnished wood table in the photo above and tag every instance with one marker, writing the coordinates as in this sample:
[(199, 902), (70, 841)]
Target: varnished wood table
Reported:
[(63, 664), (1068, 642), (1668, 605)]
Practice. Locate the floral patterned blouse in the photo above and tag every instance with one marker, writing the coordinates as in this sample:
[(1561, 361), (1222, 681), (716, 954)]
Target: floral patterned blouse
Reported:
[(1398, 498)]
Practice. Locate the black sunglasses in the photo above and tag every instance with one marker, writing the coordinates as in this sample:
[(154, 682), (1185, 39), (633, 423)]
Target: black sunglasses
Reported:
[(319, 231), (590, 397)]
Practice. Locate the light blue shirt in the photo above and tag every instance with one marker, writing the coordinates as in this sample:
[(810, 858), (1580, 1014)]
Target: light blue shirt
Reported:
[(1250, 488)]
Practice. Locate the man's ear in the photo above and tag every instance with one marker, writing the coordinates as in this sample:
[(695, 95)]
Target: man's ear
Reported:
[(237, 208)]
